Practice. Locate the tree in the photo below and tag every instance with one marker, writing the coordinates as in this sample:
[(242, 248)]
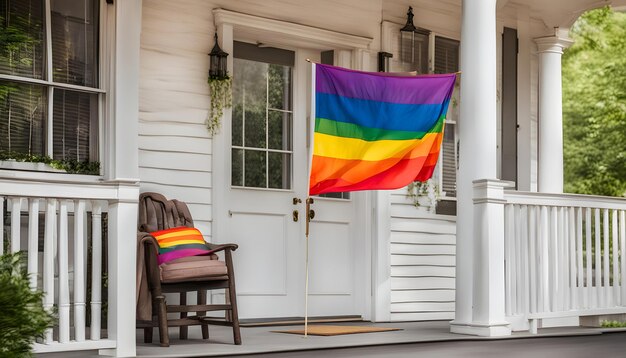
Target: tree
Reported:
[(594, 105)]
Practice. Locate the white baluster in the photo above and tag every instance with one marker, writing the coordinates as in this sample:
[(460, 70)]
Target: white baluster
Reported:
[(33, 241), (517, 254), (579, 260), (615, 254), (605, 253), (1, 225), (48, 261), (535, 269), (16, 224), (532, 255), (64, 290), (622, 240), (526, 214), (96, 270), (79, 271), (590, 296), (598, 262), (563, 267), (572, 240), (508, 238), (548, 252)]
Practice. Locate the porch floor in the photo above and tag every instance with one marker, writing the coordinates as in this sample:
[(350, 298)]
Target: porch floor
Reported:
[(262, 340)]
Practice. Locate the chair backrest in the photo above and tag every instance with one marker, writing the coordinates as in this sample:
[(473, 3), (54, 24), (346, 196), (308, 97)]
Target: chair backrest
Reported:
[(156, 212)]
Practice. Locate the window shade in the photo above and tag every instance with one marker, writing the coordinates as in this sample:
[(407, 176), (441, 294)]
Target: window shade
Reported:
[(22, 118), (22, 38)]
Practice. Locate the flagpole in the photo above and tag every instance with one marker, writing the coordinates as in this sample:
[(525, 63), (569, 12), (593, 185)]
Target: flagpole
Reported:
[(309, 200)]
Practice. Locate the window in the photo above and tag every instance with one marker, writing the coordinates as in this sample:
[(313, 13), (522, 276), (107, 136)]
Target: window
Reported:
[(262, 117), (49, 79), (446, 60)]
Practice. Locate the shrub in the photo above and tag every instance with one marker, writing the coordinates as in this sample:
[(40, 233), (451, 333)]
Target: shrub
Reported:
[(22, 316)]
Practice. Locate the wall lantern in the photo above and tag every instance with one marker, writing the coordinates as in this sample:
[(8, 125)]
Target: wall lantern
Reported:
[(217, 68), (414, 45), (383, 61)]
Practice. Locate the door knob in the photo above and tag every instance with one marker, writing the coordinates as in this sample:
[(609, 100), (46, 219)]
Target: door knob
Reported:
[(311, 214), (295, 215), (296, 201)]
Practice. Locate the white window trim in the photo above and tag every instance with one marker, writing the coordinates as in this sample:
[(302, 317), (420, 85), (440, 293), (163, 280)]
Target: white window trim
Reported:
[(106, 56)]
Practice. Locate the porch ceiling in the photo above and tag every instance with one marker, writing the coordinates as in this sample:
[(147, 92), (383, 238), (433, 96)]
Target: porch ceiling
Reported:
[(560, 13)]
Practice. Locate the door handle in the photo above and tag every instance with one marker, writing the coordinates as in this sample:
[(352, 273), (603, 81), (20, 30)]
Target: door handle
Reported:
[(295, 215), (311, 214)]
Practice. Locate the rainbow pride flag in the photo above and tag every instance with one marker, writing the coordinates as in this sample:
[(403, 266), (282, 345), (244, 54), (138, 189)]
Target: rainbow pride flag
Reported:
[(374, 130)]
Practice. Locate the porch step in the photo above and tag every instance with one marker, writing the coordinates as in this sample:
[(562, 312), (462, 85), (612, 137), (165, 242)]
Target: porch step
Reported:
[(285, 321)]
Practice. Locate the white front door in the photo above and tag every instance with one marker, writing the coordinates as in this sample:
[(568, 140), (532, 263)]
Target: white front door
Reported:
[(267, 142)]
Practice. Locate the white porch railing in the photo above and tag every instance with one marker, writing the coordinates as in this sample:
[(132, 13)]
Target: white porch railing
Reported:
[(565, 255), (72, 215)]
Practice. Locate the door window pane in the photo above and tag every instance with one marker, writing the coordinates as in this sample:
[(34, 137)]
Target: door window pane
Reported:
[(279, 96), (255, 168), (279, 170), (22, 118), (279, 123), (262, 119), (237, 170), (22, 38), (74, 26)]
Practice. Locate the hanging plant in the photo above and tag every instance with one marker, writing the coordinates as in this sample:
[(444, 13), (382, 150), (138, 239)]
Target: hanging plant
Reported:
[(221, 98), (427, 189)]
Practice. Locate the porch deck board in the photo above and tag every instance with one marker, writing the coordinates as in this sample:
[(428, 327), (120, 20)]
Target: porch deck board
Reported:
[(261, 340)]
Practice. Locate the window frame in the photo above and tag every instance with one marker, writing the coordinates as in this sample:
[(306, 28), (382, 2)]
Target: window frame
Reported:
[(104, 59), (455, 121), (267, 150)]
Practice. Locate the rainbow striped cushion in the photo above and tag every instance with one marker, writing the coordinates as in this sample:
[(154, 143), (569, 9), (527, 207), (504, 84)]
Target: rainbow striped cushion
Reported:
[(180, 242)]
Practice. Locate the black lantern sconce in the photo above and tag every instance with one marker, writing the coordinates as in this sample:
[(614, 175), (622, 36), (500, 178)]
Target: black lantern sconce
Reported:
[(217, 67), (383, 61), (414, 45)]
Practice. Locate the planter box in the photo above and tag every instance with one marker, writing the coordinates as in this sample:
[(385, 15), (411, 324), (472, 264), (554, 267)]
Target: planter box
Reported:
[(28, 166)]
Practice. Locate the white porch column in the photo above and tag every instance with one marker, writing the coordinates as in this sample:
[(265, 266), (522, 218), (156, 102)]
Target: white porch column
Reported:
[(489, 291), (123, 170), (477, 136), (550, 147)]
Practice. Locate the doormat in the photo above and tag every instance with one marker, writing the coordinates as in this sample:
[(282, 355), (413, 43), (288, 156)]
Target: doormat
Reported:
[(338, 330)]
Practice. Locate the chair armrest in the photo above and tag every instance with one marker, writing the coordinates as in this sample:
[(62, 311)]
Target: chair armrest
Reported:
[(222, 247), (146, 238)]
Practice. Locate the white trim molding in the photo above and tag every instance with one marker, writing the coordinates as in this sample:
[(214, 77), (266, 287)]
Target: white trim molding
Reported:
[(289, 33), (554, 44)]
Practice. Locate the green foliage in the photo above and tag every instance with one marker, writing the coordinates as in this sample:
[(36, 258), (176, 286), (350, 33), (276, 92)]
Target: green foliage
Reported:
[(594, 105), (71, 166), (22, 316), (613, 324), (221, 98), (418, 189)]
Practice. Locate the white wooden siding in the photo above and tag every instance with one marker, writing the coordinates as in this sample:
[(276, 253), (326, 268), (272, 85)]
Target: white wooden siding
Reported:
[(174, 146), (422, 262)]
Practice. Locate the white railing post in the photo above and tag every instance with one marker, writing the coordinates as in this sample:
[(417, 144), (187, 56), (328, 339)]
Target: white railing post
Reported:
[(489, 287), (122, 232)]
